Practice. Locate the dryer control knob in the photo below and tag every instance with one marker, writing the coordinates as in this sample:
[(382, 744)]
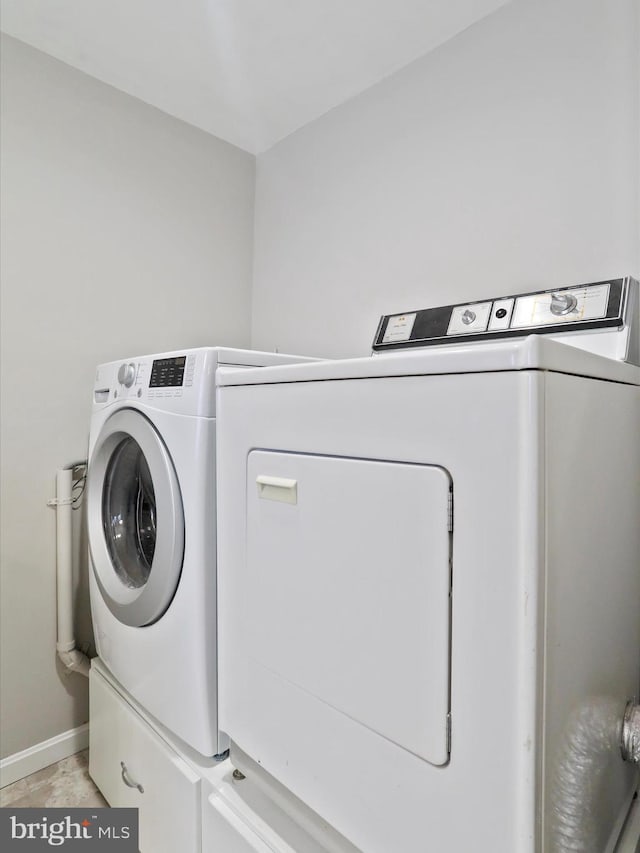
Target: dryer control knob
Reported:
[(127, 375), (468, 317), (563, 303)]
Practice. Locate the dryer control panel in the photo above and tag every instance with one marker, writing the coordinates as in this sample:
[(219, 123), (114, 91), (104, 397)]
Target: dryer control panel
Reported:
[(582, 308)]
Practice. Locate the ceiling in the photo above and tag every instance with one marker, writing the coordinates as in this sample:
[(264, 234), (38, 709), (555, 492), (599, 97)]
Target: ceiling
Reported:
[(248, 71)]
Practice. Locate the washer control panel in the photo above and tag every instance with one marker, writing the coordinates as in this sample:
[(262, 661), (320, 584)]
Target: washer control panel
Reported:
[(147, 379), (180, 382), (581, 307)]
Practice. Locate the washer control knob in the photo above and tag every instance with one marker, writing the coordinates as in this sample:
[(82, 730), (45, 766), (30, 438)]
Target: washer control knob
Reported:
[(127, 375), (563, 303), (468, 317)]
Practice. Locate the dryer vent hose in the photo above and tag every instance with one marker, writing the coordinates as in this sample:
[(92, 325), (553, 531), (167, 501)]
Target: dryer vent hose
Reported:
[(71, 657), (599, 734)]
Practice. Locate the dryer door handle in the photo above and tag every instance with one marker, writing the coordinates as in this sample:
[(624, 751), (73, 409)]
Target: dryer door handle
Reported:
[(280, 489)]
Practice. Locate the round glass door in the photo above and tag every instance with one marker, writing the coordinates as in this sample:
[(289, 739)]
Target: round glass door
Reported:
[(135, 519), (129, 513)]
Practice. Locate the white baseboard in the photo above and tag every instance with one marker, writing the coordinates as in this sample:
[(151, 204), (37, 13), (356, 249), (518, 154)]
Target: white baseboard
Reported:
[(22, 764)]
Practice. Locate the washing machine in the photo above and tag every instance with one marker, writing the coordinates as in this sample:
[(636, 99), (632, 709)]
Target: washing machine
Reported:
[(429, 591), (151, 516)]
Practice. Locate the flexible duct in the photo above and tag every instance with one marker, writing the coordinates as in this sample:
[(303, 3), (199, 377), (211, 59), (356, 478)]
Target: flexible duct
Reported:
[(592, 741)]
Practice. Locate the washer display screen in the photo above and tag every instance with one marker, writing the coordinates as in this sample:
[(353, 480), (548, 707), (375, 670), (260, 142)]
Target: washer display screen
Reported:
[(168, 372)]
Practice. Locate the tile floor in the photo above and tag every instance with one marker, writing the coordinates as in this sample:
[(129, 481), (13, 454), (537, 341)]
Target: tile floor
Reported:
[(66, 783)]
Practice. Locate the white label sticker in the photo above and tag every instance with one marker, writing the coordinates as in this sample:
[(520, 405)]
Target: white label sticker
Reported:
[(399, 328)]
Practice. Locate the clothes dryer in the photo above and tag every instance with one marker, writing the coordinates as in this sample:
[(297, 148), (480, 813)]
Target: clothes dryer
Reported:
[(151, 513), (430, 575)]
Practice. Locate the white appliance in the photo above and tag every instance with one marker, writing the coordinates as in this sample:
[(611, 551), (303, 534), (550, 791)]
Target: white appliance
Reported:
[(429, 589), (151, 511)]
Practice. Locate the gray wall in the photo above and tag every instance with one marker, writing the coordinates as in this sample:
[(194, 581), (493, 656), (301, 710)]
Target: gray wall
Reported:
[(504, 161), (124, 231)]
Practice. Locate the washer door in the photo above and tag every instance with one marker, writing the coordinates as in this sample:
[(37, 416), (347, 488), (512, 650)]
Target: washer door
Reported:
[(135, 519)]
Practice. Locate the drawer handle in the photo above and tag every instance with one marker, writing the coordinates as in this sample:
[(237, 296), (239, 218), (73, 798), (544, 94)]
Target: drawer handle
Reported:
[(128, 781)]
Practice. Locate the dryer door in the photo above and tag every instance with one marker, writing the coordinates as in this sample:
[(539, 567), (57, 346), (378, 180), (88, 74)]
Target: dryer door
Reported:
[(135, 519), (347, 598)]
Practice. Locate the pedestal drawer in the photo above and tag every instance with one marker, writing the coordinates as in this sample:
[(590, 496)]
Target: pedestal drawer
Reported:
[(134, 767)]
